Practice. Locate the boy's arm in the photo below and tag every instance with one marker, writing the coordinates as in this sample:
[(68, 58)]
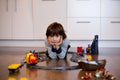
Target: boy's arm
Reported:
[(61, 52), (51, 54), (64, 48)]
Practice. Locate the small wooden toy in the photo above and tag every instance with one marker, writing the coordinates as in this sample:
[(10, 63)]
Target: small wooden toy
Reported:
[(14, 68), (89, 57), (79, 49), (87, 76), (88, 49)]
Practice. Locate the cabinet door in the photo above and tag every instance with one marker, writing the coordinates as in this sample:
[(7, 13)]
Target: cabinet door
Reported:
[(110, 28), (110, 8), (45, 12), (5, 19), (83, 28), (22, 19), (83, 8)]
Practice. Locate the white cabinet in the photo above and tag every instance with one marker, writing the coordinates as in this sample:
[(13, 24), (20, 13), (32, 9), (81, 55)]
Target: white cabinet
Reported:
[(110, 28), (16, 19), (45, 12), (83, 28), (83, 8), (5, 20), (83, 19), (110, 8), (110, 19), (22, 27), (87, 18)]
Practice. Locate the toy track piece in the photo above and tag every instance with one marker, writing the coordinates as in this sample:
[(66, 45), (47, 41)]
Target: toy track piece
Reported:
[(55, 67)]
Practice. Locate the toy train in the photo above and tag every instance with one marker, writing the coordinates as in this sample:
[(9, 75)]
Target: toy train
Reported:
[(30, 59)]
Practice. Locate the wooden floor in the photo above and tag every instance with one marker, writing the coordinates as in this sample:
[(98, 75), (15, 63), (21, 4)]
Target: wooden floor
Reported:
[(13, 55)]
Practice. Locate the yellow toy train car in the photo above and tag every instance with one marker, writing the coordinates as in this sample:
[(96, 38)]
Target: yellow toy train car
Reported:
[(30, 59), (14, 67)]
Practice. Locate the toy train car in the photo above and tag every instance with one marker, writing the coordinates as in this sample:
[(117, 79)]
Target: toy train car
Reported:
[(31, 58), (14, 68)]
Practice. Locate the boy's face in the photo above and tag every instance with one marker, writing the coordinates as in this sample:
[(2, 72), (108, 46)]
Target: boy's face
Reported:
[(54, 39)]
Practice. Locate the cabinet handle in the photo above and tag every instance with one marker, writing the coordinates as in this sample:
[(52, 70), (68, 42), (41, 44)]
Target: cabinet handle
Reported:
[(82, 0), (48, 0), (115, 0), (7, 5), (115, 21), (83, 22)]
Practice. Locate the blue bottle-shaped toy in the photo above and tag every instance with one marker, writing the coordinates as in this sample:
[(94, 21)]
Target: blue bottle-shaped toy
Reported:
[(94, 46)]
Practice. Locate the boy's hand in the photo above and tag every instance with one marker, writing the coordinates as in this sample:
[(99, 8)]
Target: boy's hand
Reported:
[(57, 44)]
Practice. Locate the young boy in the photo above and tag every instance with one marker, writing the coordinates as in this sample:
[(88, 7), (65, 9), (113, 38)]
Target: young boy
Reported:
[(56, 42)]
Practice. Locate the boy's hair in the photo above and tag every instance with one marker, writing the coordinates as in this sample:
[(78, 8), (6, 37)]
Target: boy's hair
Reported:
[(55, 29)]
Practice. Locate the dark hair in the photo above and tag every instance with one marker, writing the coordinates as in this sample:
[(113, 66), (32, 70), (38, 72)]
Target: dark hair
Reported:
[(55, 29)]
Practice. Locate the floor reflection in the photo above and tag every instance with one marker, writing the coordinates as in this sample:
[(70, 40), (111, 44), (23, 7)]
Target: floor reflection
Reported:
[(32, 73), (14, 76)]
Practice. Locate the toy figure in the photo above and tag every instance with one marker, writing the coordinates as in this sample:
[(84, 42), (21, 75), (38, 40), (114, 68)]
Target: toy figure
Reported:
[(89, 57), (87, 76), (79, 49), (109, 76), (88, 49)]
